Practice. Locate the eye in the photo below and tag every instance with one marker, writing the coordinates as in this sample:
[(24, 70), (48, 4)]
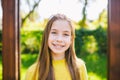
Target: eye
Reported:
[(54, 32), (66, 34)]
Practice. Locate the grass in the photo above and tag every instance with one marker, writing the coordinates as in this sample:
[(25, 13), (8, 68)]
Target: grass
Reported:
[(96, 65)]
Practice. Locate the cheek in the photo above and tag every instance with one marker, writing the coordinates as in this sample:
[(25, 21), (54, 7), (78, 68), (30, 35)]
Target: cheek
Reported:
[(49, 41), (51, 38), (68, 40)]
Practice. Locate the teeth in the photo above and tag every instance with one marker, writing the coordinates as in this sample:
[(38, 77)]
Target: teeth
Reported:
[(57, 46)]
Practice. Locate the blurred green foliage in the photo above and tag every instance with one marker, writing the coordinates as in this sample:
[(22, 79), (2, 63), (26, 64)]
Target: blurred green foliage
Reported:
[(86, 41), (0, 41), (91, 41), (30, 41), (0, 66), (96, 66)]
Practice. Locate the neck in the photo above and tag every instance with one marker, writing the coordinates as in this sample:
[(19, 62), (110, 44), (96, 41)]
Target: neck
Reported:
[(58, 57)]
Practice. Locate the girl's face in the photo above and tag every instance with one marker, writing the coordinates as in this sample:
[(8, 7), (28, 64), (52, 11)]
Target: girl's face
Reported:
[(59, 38)]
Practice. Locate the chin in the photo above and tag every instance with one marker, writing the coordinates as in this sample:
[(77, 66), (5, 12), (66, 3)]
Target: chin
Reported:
[(58, 52)]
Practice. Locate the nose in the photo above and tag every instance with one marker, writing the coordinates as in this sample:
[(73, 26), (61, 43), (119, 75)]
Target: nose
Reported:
[(59, 38)]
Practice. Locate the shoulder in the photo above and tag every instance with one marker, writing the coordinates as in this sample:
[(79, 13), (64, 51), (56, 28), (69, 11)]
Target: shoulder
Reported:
[(82, 69), (80, 62), (81, 65), (31, 72), (32, 67)]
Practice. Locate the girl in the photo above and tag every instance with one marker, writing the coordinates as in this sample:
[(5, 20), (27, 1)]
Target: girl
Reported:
[(57, 59)]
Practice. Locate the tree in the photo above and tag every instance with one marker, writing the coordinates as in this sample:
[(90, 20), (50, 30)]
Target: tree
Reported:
[(35, 4)]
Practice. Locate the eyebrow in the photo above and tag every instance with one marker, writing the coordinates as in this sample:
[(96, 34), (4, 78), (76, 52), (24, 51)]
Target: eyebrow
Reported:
[(63, 31), (54, 29)]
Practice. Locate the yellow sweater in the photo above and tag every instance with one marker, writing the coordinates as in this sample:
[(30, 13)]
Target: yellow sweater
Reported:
[(60, 70)]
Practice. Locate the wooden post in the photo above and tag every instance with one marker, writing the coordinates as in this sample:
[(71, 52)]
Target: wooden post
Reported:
[(10, 40), (114, 39)]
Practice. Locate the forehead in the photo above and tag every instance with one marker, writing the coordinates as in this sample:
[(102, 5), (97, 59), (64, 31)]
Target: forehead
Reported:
[(62, 25)]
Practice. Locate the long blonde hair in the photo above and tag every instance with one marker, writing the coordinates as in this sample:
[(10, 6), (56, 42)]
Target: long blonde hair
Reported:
[(45, 59)]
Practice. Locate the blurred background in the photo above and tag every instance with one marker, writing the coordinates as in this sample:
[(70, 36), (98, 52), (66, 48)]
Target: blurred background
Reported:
[(90, 21)]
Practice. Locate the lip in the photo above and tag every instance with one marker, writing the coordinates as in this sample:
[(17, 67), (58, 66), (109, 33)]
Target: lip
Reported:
[(58, 46)]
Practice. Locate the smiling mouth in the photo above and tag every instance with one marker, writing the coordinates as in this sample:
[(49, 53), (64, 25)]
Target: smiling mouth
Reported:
[(58, 46)]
